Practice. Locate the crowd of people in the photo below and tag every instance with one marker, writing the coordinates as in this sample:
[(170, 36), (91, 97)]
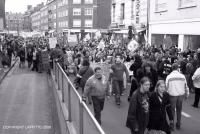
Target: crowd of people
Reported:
[(160, 78)]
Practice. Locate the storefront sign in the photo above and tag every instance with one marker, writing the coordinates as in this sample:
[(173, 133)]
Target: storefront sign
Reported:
[(137, 11)]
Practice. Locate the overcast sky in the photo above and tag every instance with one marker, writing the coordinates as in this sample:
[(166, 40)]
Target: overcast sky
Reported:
[(20, 5)]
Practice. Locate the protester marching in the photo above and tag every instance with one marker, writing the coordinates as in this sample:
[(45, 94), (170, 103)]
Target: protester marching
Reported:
[(103, 66)]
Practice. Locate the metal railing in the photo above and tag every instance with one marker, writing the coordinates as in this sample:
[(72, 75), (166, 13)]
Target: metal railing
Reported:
[(78, 113)]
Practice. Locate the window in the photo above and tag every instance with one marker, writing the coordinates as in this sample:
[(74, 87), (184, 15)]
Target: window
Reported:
[(187, 3), (161, 5), (122, 11), (76, 23), (88, 23), (65, 13), (88, 1), (88, 11), (76, 1), (76, 11), (114, 6)]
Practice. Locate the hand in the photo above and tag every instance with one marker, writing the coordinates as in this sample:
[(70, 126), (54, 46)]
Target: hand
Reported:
[(107, 97), (136, 130)]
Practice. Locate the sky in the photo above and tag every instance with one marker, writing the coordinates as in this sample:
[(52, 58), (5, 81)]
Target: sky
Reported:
[(20, 5)]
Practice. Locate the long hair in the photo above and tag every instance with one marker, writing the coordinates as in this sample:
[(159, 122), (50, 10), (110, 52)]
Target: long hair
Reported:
[(159, 82)]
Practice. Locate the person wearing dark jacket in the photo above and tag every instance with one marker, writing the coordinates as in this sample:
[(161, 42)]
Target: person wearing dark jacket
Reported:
[(29, 57), (136, 65), (148, 71), (138, 112), (160, 107), (84, 73)]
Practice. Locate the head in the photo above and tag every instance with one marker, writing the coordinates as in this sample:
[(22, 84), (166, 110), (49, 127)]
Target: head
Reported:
[(85, 62), (98, 72), (118, 58), (145, 84), (160, 86), (175, 66), (147, 67)]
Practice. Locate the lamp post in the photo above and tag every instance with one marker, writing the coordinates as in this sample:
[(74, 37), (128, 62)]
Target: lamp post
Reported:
[(148, 18), (94, 6)]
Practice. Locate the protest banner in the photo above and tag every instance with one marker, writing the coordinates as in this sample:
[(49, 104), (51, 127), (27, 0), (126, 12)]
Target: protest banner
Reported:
[(52, 42)]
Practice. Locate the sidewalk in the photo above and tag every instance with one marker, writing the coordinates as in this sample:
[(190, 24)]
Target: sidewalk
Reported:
[(4, 71)]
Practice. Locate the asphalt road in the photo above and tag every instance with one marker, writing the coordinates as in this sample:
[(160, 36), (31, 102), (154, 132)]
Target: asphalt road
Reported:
[(25, 103)]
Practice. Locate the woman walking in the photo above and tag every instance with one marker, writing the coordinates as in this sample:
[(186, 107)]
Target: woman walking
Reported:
[(138, 113), (159, 107)]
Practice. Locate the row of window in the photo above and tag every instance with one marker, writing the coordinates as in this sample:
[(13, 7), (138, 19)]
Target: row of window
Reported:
[(62, 13), (62, 3), (79, 1), (87, 11), (44, 13), (44, 20), (63, 24), (77, 23), (161, 5)]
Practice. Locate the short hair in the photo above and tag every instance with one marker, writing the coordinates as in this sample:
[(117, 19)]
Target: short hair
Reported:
[(143, 80), (97, 68), (86, 62), (175, 66)]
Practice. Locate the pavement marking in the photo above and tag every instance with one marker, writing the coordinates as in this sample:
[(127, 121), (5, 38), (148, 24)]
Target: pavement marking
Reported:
[(186, 115)]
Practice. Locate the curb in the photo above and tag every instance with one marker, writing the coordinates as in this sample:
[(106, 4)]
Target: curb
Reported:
[(5, 74)]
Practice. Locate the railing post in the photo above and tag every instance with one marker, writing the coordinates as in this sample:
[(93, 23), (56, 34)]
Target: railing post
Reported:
[(58, 78), (81, 116), (69, 102), (56, 72), (63, 96), (54, 69)]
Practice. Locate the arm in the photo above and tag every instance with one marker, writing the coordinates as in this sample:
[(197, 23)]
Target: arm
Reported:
[(196, 74), (87, 89), (132, 114), (126, 71), (168, 108)]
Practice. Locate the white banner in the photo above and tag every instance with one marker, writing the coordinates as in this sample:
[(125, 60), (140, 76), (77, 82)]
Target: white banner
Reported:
[(1, 24), (52, 42)]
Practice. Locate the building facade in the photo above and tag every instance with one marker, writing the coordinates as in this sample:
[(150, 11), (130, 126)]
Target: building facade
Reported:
[(2, 14), (44, 19), (35, 20), (125, 13), (175, 23), (14, 21), (27, 19)]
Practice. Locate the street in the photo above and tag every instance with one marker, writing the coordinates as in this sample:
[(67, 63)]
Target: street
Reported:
[(25, 106)]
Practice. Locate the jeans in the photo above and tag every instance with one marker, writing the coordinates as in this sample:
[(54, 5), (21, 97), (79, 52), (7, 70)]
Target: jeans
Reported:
[(197, 97), (118, 87), (98, 105), (176, 103)]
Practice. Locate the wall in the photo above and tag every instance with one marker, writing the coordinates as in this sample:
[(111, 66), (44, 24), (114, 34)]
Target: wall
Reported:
[(173, 12), (103, 16)]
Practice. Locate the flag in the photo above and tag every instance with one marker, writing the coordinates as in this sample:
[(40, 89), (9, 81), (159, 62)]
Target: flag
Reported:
[(133, 45)]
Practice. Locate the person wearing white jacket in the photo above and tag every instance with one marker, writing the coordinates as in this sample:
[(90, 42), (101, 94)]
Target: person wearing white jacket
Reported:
[(178, 90), (196, 82)]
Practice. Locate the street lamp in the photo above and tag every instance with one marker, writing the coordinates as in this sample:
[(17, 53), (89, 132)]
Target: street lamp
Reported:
[(94, 6), (148, 18)]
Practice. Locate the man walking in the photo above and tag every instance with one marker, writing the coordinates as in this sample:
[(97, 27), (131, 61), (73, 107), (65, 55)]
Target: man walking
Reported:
[(116, 74), (196, 82), (177, 88), (97, 87)]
